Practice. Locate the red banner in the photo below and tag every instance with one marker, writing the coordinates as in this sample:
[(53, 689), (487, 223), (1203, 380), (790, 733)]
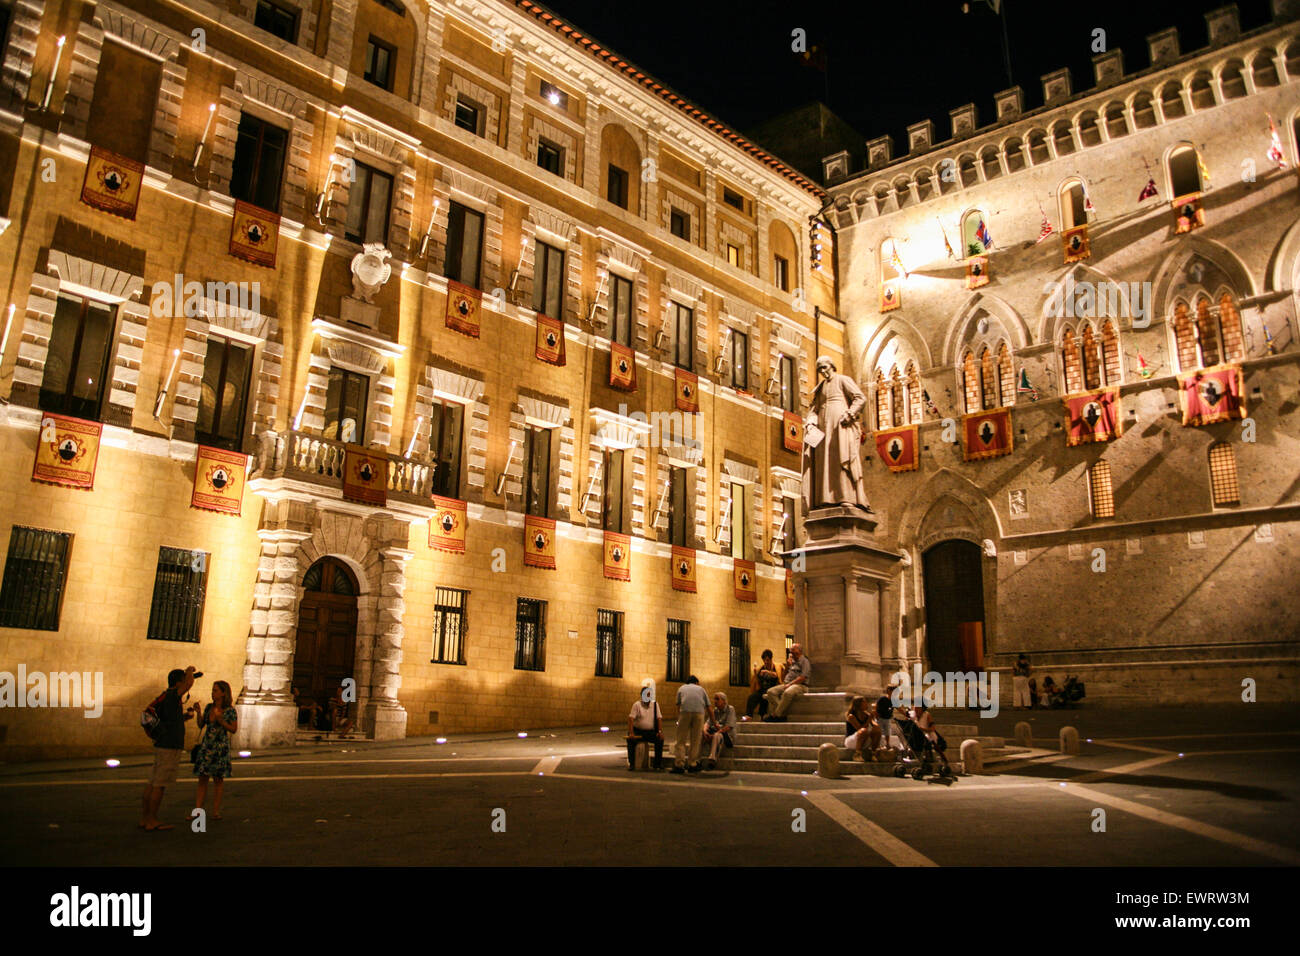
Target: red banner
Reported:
[(254, 234), (1212, 395), (622, 367), (1075, 243), (890, 297), (977, 272), (539, 542), (550, 340), (365, 476), (897, 448), (219, 480), (463, 306), (792, 432), (112, 183), (746, 581), (618, 556), (448, 524), (988, 434), (688, 391), (789, 588), (67, 452), (1092, 416), (683, 562)]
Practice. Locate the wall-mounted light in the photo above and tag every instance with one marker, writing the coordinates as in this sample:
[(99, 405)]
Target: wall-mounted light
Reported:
[(523, 248), (203, 140), (722, 526), (661, 340), (416, 434), (49, 86), (428, 233), (602, 277), (591, 485), (659, 509), (162, 395), (297, 419), (9, 321), (510, 457), (779, 536)]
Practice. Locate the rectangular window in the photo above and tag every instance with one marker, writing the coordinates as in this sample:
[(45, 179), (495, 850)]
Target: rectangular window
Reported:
[(1223, 476), (537, 474), (733, 254), (464, 245), (277, 20), (548, 281), (380, 59), (178, 592), (684, 338), (258, 167), (739, 360), (790, 522), (445, 429), (223, 397), (789, 384), (369, 201), (679, 650), (35, 570), (449, 626), (789, 642), (1073, 209), (554, 95), (469, 116), (530, 635), (740, 545), (76, 365), (679, 224), (612, 505), (616, 186), (609, 643), (620, 310), (680, 519), (121, 114), (781, 274), (393, 6), (738, 657), (733, 199), (346, 401), (550, 157), (1101, 490)]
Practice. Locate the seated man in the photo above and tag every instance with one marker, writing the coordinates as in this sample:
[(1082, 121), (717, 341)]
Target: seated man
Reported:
[(306, 706), (720, 722), (764, 679), (793, 685), (1050, 693), (340, 722), (643, 726)]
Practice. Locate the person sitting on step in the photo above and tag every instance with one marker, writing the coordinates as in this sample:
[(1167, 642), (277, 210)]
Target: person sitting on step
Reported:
[(719, 725), (861, 731), (794, 684)]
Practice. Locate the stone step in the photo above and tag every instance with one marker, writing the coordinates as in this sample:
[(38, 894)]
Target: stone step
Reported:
[(766, 745), (847, 768), (953, 733)]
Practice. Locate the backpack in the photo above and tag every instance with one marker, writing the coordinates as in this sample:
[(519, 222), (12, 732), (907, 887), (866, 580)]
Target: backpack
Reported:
[(150, 719)]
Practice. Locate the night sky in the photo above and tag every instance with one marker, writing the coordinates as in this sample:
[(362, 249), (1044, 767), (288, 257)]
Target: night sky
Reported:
[(889, 64)]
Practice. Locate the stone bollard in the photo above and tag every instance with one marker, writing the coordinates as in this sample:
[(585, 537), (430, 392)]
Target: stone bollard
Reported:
[(1069, 740), (828, 761), (643, 756), (1024, 736), (972, 756)]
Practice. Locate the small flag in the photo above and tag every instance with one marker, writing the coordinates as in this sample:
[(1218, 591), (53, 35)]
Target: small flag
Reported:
[(539, 542), (1076, 244), (930, 406), (982, 234), (447, 527), (1275, 154), (977, 272), (1024, 388), (1087, 199), (1205, 173), (1046, 230), (1268, 339), (897, 262), (1148, 190), (1145, 370), (218, 480), (683, 562), (946, 244)]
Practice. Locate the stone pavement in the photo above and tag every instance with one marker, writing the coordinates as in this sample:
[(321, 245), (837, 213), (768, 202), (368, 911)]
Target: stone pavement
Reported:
[(1179, 786)]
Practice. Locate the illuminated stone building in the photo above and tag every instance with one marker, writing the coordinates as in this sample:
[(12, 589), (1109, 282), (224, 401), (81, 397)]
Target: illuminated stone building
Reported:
[(1153, 553), (313, 181)]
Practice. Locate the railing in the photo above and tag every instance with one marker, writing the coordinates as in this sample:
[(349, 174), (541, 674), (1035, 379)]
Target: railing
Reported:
[(304, 457)]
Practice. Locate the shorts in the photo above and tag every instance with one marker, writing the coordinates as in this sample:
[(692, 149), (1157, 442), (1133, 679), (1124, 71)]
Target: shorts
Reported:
[(165, 764)]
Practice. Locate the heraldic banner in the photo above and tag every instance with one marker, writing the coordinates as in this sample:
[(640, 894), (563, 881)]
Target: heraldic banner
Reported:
[(539, 542), (1092, 416), (219, 480), (112, 183), (1075, 243), (746, 588), (792, 432), (254, 234), (897, 448), (1212, 394), (550, 340), (988, 434), (683, 569), (618, 556), (447, 526), (789, 588), (365, 476), (622, 367), (67, 452), (463, 307), (688, 391)]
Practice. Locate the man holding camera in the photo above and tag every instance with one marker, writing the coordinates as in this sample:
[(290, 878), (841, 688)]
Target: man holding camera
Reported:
[(168, 744)]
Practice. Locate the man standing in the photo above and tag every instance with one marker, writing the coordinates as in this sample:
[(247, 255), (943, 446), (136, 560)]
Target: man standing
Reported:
[(832, 463), (168, 746), (643, 725), (692, 703), (1020, 681), (793, 685)]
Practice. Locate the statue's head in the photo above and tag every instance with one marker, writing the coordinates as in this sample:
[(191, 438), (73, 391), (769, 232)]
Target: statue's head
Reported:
[(825, 367)]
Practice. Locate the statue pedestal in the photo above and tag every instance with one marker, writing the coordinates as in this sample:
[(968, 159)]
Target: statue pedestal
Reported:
[(356, 312), (839, 597)]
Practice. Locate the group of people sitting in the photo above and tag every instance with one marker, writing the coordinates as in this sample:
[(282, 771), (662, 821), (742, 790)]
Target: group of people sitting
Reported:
[(873, 732), (1028, 694), (334, 718), (703, 728)]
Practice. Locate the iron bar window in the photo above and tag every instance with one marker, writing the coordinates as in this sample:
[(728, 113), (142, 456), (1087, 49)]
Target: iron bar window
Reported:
[(679, 650), (530, 635), (449, 626), (35, 570), (609, 643), (179, 589)]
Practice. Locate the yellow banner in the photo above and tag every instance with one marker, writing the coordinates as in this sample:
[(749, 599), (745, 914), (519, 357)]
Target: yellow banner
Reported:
[(746, 581), (112, 183), (463, 307), (683, 562), (219, 480), (618, 556), (254, 234), (67, 451), (447, 526), (365, 476), (539, 542)]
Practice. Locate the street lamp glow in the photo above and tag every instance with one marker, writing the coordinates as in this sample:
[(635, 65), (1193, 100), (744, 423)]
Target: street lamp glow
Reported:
[(441, 740), (604, 730), (113, 762), (523, 733), (246, 753)]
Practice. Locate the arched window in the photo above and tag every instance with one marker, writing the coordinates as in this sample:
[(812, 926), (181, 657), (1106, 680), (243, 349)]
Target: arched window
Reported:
[(902, 192), (1089, 132), (969, 175), (988, 379), (1232, 80), (1073, 204), (1015, 153), (1292, 58), (1091, 359), (1144, 111), (1116, 121), (1207, 333), (970, 383), (1184, 172), (1006, 377), (896, 397), (1264, 70), (971, 243), (1202, 90), (1063, 138), (915, 412), (882, 198), (1230, 328), (1070, 363), (991, 162), (1184, 338), (1038, 152), (946, 173), (883, 418), (1110, 366), (924, 185), (1171, 101)]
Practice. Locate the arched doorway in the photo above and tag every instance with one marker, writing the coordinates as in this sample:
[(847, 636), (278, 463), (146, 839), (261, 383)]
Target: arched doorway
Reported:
[(327, 630), (954, 606)]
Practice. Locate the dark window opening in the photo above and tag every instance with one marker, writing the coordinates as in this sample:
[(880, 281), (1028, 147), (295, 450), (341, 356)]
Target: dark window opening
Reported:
[(738, 657), (684, 342), (537, 463), (733, 199), (679, 651), (223, 396), (369, 203), (679, 224), (276, 20), (32, 592), (739, 360), (616, 186), (550, 157), (530, 635), (77, 362), (258, 167), (179, 589), (789, 385), (444, 447), (468, 116), (346, 401), (680, 518), (464, 245), (548, 282), (620, 313), (782, 274), (609, 643), (380, 57), (612, 505), (449, 626)]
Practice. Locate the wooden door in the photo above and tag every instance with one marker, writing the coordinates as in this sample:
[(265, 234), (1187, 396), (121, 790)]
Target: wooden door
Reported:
[(327, 630), (954, 606)]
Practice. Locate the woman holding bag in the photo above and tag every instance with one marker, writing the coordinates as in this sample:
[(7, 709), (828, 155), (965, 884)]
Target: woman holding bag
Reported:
[(212, 753)]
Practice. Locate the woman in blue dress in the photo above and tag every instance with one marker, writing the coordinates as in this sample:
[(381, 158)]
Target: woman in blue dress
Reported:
[(218, 721)]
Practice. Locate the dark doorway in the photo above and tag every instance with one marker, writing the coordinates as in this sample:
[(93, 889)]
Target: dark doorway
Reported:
[(954, 606), (327, 631)]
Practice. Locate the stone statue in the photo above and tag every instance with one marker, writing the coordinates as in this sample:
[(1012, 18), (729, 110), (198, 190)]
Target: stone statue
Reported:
[(832, 463)]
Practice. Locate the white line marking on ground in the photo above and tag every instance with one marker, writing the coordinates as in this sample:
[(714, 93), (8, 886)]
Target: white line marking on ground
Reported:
[(1096, 775), (1110, 742), (880, 841), (1207, 830), (1253, 733), (547, 764)]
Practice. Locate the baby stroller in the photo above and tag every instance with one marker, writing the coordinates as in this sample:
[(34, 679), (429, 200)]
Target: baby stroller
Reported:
[(921, 756)]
